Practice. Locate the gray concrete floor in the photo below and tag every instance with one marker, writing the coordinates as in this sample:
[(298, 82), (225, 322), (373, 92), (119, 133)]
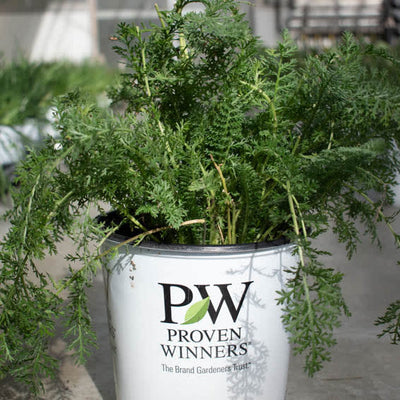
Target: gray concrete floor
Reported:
[(362, 366)]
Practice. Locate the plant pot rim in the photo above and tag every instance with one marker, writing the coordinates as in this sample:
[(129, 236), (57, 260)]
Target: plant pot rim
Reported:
[(192, 248), (150, 245)]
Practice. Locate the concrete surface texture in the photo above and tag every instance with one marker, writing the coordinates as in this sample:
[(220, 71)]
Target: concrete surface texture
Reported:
[(362, 366)]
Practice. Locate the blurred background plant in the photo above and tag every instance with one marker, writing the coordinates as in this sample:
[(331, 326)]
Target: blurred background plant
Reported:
[(26, 97)]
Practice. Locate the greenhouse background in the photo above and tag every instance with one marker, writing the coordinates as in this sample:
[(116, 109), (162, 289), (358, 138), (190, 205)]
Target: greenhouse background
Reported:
[(80, 29)]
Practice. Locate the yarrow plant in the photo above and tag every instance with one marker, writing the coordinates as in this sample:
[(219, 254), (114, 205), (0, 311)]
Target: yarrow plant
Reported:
[(216, 140)]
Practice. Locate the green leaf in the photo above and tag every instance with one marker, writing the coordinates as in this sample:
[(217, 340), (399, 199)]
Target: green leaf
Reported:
[(197, 311)]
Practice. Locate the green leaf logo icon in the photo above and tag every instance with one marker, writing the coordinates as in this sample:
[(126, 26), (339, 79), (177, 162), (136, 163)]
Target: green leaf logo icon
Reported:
[(197, 311)]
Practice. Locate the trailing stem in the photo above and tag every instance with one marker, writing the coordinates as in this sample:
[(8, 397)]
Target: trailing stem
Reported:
[(379, 211), (310, 314), (138, 238), (296, 226)]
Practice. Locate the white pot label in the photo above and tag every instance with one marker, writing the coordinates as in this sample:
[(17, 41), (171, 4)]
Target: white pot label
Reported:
[(200, 326)]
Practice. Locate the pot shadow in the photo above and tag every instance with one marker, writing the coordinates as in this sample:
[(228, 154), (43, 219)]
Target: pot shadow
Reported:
[(245, 383), (248, 383), (100, 364)]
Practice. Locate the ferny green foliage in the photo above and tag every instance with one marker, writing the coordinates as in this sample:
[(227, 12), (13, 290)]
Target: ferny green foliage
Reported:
[(212, 139)]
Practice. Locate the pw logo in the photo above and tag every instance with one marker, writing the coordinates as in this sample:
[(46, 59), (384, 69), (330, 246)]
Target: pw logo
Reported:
[(198, 310)]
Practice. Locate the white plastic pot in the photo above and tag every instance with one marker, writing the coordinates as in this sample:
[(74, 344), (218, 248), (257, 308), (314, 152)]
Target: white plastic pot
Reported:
[(198, 323)]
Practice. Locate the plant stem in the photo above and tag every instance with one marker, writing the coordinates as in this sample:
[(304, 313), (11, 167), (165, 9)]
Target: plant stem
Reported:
[(160, 17), (231, 234), (146, 79), (292, 202), (141, 226), (29, 207), (331, 136), (141, 236), (266, 97)]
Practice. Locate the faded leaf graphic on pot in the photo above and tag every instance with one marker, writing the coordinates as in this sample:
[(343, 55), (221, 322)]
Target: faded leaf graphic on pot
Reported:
[(197, 311)]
